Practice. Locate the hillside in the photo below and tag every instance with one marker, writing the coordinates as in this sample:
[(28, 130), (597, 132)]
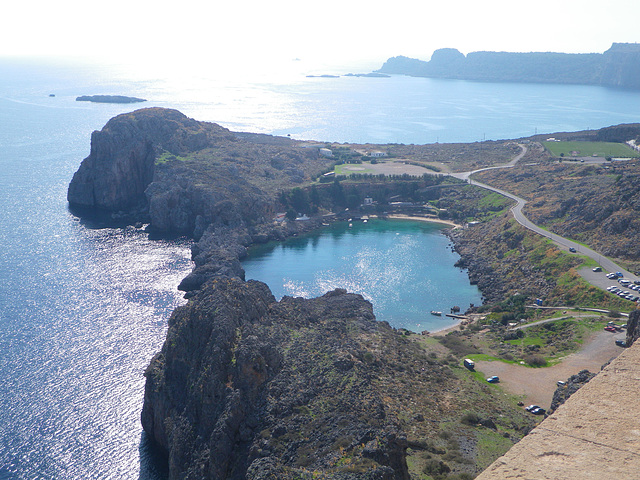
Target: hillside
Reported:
[(182, 176), (309, 389), (617, 67), (594, 204)]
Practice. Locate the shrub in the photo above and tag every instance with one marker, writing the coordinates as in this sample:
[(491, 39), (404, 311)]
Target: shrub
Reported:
[(470, 418), (436, 467), (535, 360)]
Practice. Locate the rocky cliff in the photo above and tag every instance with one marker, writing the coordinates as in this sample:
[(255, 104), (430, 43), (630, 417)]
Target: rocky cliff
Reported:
[(181, 175), (618, 66), (247, 387), (633, 328), (121, 164)]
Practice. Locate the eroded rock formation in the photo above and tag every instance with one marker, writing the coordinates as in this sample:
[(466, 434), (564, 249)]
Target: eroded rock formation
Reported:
[(247, 387)]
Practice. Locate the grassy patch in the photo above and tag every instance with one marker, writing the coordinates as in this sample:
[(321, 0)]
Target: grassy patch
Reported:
[(169, 157), (588, 149), (490, 446), (494, 201)]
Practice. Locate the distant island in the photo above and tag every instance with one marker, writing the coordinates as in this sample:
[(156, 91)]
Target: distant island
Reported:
[(617, 67), (369, 75), (109, 99)]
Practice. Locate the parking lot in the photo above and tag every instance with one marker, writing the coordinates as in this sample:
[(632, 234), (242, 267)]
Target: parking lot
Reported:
[(537, 385)]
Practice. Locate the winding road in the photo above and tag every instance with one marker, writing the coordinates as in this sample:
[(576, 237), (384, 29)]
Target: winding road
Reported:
[(597, 279)]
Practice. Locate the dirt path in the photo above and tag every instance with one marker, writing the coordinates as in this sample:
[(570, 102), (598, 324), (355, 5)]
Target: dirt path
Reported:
[(537, 385)]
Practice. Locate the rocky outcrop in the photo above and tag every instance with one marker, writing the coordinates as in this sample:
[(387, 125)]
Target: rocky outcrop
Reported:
[(160, 167), (121, 164), (247, 387), (571, 386), (633, 328)]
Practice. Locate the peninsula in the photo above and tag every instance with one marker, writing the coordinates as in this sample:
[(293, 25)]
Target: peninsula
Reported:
[(109, 99), (617, 67), (249, 387)]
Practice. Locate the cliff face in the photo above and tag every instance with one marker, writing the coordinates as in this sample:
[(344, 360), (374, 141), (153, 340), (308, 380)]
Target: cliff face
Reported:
[(182, 175), (247, 387), (121, 163), (622, 66), (619, 66)]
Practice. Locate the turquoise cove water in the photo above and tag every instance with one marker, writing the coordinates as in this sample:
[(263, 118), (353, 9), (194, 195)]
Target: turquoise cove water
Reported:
[(405, 268)]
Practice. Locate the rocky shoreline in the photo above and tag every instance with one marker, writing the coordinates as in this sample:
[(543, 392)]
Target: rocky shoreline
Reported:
[(247, 387)]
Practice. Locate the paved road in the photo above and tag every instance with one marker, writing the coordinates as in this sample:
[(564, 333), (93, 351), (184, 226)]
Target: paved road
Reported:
[(607, 264)]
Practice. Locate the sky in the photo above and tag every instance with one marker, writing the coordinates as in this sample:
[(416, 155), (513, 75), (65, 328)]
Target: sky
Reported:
[(330, 32)]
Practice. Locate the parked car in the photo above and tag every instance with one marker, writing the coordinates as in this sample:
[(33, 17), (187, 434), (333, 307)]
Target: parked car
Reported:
[(621, 343), (493, 379), (572, 250), (531, 407), (597, 269), (561, 383), (538, 411), (609, 328)]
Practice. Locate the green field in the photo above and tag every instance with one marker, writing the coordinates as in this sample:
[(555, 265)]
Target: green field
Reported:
[(589, 149)]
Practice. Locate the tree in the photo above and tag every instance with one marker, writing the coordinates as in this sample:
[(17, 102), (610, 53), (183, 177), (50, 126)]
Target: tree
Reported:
[(298, 200), (291, 214), (337, 194)]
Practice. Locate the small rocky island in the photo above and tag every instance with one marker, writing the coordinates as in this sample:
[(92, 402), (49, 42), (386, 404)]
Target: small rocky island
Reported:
[(109, 99)]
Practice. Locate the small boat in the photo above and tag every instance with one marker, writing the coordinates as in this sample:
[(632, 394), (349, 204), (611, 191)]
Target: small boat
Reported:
[(436, 313)]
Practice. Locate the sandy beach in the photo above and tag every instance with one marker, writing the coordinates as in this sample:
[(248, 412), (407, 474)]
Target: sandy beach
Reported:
[(424, 219)]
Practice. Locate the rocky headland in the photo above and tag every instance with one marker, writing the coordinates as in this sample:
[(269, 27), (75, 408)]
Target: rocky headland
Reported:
[(617, 67), (249, 387)]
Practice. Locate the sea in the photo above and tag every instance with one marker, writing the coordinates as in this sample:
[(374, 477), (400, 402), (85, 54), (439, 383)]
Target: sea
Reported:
[(84, 307)]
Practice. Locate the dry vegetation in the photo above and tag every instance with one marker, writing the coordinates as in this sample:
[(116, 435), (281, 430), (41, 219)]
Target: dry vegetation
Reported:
[(591, 204)]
